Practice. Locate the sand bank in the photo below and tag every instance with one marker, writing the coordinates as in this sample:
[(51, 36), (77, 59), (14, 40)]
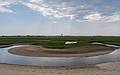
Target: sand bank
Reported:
[(84, 51)]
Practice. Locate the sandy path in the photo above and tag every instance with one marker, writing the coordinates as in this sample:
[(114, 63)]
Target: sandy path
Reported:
[(102, 69)]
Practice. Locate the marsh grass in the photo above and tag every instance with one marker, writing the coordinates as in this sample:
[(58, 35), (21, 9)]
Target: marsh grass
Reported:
[(58, 41)]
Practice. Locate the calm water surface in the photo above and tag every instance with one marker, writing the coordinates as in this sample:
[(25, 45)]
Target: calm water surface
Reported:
[(8, 58)]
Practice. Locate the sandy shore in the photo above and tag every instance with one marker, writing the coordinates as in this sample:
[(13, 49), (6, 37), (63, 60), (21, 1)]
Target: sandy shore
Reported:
[(101, 69), (84, 51)]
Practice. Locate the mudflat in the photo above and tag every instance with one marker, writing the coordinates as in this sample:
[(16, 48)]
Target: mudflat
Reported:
[(111, 68), (38, 51)]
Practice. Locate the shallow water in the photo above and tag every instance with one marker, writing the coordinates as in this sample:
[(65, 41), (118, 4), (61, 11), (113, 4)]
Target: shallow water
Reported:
[(8, 58)]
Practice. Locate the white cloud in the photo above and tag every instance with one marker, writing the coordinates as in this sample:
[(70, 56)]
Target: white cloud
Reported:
[(93, 17), (4, 6), (113, 18), (102, 18), (56, 11), (36, 1), (3, 9), (65, 9)]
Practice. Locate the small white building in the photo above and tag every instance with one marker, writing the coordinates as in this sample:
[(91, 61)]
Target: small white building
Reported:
[(70, 42)]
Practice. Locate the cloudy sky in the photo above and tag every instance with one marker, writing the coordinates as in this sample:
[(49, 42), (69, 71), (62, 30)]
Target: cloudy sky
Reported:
[(54, 17)]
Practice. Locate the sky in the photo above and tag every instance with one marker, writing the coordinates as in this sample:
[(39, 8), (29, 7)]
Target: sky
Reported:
[(56, 17)]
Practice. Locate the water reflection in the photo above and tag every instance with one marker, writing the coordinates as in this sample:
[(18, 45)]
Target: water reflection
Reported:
[(8, 58)]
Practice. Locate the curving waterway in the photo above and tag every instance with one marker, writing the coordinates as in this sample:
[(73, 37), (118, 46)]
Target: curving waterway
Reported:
[(8, 58)]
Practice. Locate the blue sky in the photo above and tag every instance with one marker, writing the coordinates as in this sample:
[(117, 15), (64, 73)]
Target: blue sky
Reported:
[(55, 17)]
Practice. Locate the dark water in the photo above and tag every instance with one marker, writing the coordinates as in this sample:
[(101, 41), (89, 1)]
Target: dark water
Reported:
[(8, 58)]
